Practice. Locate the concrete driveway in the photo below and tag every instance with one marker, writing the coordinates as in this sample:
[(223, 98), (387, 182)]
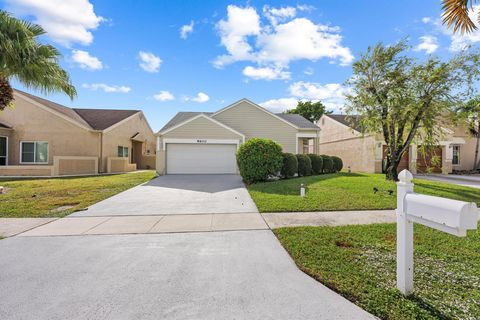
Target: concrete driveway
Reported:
[(178, 194), (213, 275)]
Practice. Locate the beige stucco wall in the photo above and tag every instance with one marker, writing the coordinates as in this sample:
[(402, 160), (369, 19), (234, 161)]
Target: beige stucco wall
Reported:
[(121, 134), (116, 164), (27, 171), (72, 165), (160, 162), (357, 151), (32, 123), (253, 122)]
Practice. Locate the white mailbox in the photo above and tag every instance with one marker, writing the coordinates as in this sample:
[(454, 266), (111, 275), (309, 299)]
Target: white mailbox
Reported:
[(450, 216)]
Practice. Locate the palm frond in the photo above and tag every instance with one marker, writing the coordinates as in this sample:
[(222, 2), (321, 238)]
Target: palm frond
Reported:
[(455, 13)]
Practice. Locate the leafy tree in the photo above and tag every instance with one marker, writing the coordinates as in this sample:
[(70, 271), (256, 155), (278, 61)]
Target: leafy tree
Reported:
[(23, 58), (455, 13), (310, 110), (471, 113), (403, 98)]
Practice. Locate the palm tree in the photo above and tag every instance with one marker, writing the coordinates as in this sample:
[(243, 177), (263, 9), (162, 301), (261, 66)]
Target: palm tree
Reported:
[(23, 58), (455, 13)]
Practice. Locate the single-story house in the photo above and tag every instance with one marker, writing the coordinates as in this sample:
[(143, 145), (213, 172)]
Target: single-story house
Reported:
[(39, 137), (341, 135), (206, 142)]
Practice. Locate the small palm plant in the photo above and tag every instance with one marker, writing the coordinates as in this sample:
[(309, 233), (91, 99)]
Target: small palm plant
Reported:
[(23, 58)]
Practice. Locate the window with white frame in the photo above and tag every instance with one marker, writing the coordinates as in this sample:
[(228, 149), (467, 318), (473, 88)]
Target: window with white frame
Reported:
[(456, 155), (123, 152), (34, 152)]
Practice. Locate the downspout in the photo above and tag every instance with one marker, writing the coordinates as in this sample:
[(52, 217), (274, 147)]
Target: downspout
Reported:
[(100, 162)]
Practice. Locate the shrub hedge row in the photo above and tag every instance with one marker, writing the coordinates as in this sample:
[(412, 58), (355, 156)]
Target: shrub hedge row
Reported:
[(258, 159)]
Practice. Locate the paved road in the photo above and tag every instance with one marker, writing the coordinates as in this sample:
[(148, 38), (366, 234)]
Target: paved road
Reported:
[(178, 194), (214, 275), (458, 180)]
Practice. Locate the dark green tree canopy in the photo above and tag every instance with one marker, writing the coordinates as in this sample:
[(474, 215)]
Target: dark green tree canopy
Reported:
[(310, 110)]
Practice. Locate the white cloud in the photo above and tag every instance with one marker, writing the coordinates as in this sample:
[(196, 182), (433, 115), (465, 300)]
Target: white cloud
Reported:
[(240, 23), (332, 95), (149, 61), (163, 96), (461, 41), (106, 88), (308, 71), (426, 20), (186, 29), (86, 61), (200, 98), (284, 39), (276, 15), (66, 21), (265, 73), (280, 105), (429, 44)]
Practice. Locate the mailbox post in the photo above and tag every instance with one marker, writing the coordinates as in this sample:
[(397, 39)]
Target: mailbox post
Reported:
[(450, 216)]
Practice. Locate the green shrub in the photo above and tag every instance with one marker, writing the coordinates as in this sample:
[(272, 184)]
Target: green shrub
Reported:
[(290, 165), (337, 163), (304, 165), (317, 163), (259, 158), (327, 164)]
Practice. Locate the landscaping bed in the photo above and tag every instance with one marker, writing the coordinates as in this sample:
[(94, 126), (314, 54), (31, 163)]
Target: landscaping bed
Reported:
[(57, 197), (359, 263), (345, 191)]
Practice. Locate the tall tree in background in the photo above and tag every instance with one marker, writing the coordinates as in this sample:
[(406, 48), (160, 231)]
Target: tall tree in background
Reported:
[(470, 112), (455, 13), (403, 99), (23, 58), (310, 110)]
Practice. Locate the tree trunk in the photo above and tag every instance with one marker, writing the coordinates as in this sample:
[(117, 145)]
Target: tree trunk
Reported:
[(392, 173), (476, 163), (6, 93)]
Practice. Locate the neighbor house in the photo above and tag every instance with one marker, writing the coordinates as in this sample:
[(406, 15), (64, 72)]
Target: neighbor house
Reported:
[(341, 135), (206, 142), (39, 137)]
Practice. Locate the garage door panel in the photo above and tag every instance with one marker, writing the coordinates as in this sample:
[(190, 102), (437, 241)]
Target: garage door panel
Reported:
[(201, 158)]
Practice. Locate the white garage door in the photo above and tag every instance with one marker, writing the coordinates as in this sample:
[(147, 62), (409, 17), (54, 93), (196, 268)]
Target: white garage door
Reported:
[(201, 158)]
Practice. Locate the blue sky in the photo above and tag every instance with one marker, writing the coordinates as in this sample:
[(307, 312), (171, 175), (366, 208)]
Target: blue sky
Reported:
[(133, 54)]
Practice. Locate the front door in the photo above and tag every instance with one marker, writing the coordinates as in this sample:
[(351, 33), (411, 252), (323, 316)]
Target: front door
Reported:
[(3, 151)]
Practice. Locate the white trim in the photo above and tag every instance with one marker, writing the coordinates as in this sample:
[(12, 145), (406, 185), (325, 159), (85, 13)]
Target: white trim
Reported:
[(113, 126), (6, 153), (202, 115), (34, 151), (258, 107), (306, 135), (196, 141), (58, 114)]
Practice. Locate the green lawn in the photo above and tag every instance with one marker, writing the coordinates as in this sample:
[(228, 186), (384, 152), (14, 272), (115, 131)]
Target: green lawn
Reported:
[(345, 191), (359, 263), (58, 197)]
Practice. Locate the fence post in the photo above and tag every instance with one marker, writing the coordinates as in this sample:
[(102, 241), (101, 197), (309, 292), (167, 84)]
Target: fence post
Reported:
[(404, 235)]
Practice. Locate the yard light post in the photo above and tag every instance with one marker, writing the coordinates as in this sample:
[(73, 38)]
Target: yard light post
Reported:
[(302, 190)]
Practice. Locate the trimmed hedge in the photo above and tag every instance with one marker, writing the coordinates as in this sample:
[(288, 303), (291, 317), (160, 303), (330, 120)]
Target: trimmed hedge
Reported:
[(327, 164), (258, 159), (290, 165), (317, 163), (337, 163), (304, 165)]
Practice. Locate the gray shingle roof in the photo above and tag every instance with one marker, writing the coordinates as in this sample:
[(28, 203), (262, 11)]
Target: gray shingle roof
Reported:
[(295, 119), (352, 121), (96, 119), (298, 120), (101, 119), (181, 117)]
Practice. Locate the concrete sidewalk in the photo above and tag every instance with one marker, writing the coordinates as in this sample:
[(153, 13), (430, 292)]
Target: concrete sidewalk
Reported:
[(328, 218), (70, 226), (13, 226)]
